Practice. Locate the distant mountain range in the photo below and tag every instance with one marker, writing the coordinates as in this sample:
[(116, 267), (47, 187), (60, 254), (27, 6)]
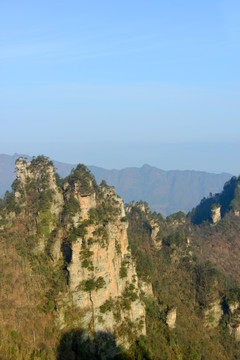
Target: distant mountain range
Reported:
[(165, 191)]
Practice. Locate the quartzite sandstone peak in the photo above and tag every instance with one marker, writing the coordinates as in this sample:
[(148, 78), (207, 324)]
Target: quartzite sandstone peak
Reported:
[(84, 225)]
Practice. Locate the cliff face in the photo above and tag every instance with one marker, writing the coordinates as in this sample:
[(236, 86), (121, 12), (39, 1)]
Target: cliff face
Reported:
[(216, 214), (38, 199), (102, 275), (83, 225)]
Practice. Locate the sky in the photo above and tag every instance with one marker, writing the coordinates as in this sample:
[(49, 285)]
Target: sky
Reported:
[(122, 83)]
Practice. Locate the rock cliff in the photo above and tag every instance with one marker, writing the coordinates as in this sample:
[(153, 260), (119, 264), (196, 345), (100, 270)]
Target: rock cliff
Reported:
[(85, 226), (216, 214)]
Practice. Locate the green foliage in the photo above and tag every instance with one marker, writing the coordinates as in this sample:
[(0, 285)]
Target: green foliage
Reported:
[(84, 178), (91, 241), (14, 334), (40, 161), (45, 199), (92, 284), (44, 221), (50, 306), (89, 285), (157, 216), (187, 284), (139, 235), (125, 304), (100, 283), (15, 185), (176, 238), (59, 180), (79, 232), (85, 255), (123, 270), (72, 206), (107, 306), (130, 293), (105, 211), (10, 203), (228, 199), (208, 280), (159, 236), (104, 184), (215, 206), (232, 296), (36, 191), (235, 203), (1, 204), (140, 350), (178, 216), (102, 235), (118, 247)]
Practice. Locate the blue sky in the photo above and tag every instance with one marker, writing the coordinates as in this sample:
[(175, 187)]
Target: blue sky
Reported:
[(122, 83)]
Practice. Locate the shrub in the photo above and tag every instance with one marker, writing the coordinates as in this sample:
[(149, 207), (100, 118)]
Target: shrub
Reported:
[(108, 305), (72, 206), (100, 283), (92, 284), (123, 270), (176, 238), (85, 258), (9, 201), (83, 176)]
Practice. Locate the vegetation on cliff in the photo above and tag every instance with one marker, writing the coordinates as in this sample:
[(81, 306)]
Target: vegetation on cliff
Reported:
[(180, 281), (51, 230), (67, 274)]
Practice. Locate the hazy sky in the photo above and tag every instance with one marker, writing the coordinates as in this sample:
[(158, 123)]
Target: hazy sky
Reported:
[(122, 83)]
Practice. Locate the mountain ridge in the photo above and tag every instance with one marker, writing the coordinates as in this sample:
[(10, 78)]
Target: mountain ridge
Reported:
[(165, 191)]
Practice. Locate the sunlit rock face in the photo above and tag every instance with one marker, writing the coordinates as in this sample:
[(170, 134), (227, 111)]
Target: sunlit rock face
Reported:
[(213, 314), (171, 318), (39, 197), (105, 283), (84, 225), (216, 214)]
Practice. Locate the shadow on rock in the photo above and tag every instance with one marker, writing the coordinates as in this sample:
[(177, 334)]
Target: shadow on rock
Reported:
[(78, 345)]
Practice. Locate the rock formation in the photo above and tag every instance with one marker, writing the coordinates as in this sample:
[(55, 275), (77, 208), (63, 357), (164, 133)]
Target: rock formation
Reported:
[(85, 225), (213, 314), (216, 214), (171, 318)]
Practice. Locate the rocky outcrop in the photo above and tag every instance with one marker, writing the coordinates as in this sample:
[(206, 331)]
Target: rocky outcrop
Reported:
[(156, 234), (36, 192), (216, 214), (171, 318), (233, 307), (102, 275), (234, 324), (146, 288), (213, 314), (85, 225), (235, 331)]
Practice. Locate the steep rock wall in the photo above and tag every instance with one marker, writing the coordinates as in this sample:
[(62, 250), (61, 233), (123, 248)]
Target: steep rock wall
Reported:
[(108, 287), (84, 225)]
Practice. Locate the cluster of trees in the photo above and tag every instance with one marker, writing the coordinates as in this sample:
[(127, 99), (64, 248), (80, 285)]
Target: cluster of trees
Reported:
[(187, 284)]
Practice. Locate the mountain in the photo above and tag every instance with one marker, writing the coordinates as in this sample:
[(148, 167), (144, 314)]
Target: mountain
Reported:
[(82, 277), (165, 191), (73, 265)]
